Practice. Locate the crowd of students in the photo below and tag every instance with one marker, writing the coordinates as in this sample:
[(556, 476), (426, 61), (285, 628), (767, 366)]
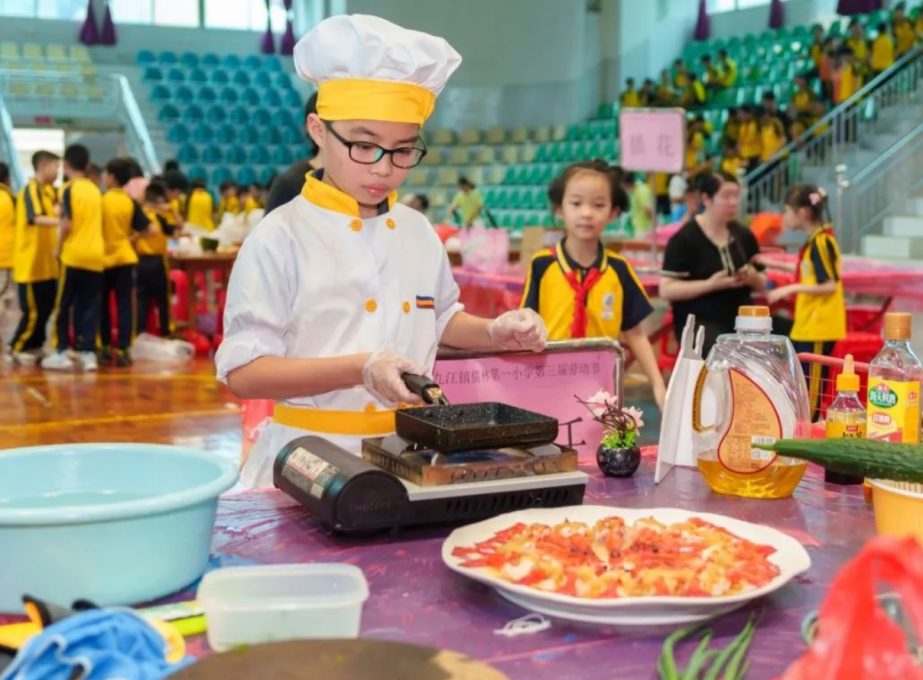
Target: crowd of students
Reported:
[(102, 234)]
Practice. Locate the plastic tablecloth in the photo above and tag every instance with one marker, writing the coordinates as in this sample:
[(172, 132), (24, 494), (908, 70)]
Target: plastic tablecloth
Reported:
[(415, 598)]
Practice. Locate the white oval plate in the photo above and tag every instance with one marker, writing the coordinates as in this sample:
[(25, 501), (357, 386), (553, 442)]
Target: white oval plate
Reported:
[(790, 557)]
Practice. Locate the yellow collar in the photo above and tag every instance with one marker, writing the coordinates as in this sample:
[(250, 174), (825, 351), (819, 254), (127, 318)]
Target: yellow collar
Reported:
[(328, 197)]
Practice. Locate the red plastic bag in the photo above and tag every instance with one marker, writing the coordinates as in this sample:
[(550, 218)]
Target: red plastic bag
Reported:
[(857, 640)]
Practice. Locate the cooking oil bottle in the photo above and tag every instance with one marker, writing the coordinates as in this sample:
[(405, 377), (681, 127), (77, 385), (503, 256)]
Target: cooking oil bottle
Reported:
[(750, 391), (845, 417), (894, 385)]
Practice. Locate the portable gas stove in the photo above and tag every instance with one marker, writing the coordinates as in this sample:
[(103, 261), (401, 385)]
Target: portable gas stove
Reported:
[(398, 484)]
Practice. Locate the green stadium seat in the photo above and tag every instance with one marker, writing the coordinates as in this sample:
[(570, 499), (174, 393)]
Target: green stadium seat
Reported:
[(189, 59), (605, 111), (146, 58), (176, 75), (230, 61), (542, 153), (168, 113), (167, 58), (160, 93), (151, 74), (210, 60), (593, 149)]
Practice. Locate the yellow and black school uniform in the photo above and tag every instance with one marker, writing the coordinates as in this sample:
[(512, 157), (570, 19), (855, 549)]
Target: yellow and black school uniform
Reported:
[(695, 151), (600, 301), (882, 53), (820, 320), (731, 165), (905, 37), (200, 209), (714, 78), (153, 280), (82, 262), (772, 138), (816, 52), (252, 204), (7, 232), (35, 268), (631, 99), (228, 205), (751, 144), (662, 192), (694, 94), (728, 73), (680, 80), (860, 51), (122, 217)]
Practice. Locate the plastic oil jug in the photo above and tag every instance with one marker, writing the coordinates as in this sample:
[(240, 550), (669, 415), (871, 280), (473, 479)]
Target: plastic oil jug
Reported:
[(751, 390)]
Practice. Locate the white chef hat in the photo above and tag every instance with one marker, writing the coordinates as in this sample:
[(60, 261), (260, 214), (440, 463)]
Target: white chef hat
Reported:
[(367, 68)]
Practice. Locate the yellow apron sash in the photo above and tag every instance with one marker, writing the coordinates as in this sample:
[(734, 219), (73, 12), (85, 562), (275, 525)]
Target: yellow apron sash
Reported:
[(357, 423)]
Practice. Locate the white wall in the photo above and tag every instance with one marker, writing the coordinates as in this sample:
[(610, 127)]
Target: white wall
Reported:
[(756, 19)]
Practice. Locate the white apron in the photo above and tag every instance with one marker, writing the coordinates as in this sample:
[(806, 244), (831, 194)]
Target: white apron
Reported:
[(313, 280)]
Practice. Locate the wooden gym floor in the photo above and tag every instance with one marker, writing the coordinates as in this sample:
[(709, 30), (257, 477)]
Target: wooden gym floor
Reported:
[(182, 405)]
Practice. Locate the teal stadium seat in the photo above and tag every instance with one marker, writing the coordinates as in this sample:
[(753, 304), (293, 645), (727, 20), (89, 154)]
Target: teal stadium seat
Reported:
[(253, 62), (203, 133), (246, 176), (262, 79), (266, 174), (210, 60), (230, 61), (168, 113), (196, 172), (282, 156), (229, 96), (167, 58), (216, 114), (241, 78), (151, 74), (182, 94), (236, 155), (189, 59), (220, 77), (260, 117), (292, 98), (271, 63), (271, 98), (212, 153), (221, 174), (178, 133), (226, 134), (247, 134), (197, 75), (176, 75), (146, 58), (239, 115), (187, 153), (160, 93), (269, 134), (250, 97), (207, 95), (193, 114)]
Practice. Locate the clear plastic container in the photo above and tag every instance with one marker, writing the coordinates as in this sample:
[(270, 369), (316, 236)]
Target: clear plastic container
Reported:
[(250, 605), (752, 390)]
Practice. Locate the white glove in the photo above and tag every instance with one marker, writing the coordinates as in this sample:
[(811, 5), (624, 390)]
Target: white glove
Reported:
[(381, 376), (521, 329)]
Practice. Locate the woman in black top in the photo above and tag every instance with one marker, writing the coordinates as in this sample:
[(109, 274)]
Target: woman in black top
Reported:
[(712, 254)]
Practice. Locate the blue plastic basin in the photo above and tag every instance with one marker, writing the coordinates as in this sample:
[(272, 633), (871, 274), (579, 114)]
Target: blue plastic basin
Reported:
[(116, 524)]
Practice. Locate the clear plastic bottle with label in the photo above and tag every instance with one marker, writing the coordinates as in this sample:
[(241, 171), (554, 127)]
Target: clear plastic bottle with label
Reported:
[(751, 390), (894, 385), (845, 417)]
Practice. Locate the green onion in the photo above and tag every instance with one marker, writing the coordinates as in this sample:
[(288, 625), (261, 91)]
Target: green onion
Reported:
[(743, 639)]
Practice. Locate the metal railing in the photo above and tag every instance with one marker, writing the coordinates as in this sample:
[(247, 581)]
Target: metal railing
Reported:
[(71, 95), (8, 147), (865, 200), (828, 141)]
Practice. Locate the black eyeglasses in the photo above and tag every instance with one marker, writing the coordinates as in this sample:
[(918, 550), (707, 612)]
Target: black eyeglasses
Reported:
[(368, 153)]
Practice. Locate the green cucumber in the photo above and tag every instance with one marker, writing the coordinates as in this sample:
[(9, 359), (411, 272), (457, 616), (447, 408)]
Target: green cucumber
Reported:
[(870, 458)]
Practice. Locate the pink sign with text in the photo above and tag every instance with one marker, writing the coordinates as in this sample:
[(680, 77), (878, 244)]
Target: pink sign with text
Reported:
[(652, 140), (544, 383)]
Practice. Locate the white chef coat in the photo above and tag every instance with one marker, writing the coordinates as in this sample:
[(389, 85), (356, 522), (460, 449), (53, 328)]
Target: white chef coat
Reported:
[(314, 280)]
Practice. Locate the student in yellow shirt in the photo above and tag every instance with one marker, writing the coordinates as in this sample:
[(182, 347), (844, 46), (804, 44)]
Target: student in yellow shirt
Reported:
[(82, 261), (712, 77), (905, 36), (680, 76), (772, 135), (153, 271), (858, 43), (665, 94), (662, 193), (749, 142), (695, 147), (818, 47), (820, 309), (35, 267), (177, 186), (648, 94), (581, 289), (694, 95), (200, 207), (882, 51), (803, 98), (731, 162), (229, 202), (728, 69), (731, 129), (7, 232), (253, 200), (122, 218), (631, 98)]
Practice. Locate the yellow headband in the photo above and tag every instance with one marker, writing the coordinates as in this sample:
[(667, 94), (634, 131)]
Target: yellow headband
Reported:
[(366, 99)]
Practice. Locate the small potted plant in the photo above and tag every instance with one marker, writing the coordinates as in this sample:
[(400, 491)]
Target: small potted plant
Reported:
[(619, 454)]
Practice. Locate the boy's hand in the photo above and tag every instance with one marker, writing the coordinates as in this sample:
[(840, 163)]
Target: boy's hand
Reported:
[(776, 295), (520, 329), (382, 373)]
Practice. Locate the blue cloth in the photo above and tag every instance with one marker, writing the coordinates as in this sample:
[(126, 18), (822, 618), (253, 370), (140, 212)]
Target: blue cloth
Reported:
[(101, 643)]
